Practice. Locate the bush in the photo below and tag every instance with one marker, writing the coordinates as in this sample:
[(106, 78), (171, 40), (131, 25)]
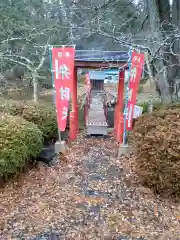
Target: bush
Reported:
[(12, 107), (44, 116), (156, 106), (19, 140), (157, 149), (144, 124), (145, 106), (41, 114)]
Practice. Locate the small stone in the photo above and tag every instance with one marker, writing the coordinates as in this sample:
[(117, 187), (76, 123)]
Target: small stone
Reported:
[(108, 237), (145, 190)]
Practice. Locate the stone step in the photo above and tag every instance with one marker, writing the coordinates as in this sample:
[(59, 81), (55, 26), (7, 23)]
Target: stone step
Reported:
[(96, 118), (99, 108), (97, 130), (96, 113), (89, 120), (97, 123)]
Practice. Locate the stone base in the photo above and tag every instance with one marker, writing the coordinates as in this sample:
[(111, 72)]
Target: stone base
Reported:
[(123, 150), (60, 147)]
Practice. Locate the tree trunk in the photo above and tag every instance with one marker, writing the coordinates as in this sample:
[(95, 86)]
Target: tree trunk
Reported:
[(155, 12), (176, 22), (176, 46), (171, 61), (35, 87)]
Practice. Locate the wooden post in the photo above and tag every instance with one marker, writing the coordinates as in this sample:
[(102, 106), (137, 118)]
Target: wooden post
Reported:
[(76, 92), (74, 113), (72, 132), (119, 108)]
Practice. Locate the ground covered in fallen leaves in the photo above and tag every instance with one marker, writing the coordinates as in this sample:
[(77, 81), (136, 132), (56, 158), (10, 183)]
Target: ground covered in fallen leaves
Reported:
[(90, 194)]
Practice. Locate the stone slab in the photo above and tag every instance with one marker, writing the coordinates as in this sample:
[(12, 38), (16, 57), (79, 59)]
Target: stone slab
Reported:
[(60, 147), (124, 150), (97, 130)]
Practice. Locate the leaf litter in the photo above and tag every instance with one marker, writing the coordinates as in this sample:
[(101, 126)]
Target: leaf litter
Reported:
[(89, 194)]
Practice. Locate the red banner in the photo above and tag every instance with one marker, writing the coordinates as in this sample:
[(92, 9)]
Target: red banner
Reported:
[(136, 69), (63, 70)]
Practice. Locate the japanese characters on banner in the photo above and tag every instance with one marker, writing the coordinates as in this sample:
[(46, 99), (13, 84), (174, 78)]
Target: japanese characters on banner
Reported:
[(63, 70), (136, 69)]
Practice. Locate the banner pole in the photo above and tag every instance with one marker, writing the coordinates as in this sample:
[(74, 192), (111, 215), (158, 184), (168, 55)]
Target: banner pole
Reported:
[(54, 90), (126, 100)]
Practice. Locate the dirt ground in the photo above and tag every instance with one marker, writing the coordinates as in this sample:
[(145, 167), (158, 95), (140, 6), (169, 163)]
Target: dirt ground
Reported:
[(89, 194)]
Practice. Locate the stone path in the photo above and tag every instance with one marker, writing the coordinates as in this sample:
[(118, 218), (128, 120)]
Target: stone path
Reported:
[(89, 195), (96, 122), (93, 198)]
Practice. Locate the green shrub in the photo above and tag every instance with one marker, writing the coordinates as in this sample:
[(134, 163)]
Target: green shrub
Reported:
[(12, 107), (156, 106), (41, 114), (157, 149), (145, 106), (44, 116), (19, 140)]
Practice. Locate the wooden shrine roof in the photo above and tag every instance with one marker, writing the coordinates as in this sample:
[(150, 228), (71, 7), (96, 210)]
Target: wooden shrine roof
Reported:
[(100, 59)]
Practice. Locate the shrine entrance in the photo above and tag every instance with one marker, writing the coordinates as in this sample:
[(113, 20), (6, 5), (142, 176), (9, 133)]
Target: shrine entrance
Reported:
[(96, 104)]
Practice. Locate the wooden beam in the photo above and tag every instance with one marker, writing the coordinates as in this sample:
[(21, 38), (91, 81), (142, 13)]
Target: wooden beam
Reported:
[(115, 64), (73, 120)]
